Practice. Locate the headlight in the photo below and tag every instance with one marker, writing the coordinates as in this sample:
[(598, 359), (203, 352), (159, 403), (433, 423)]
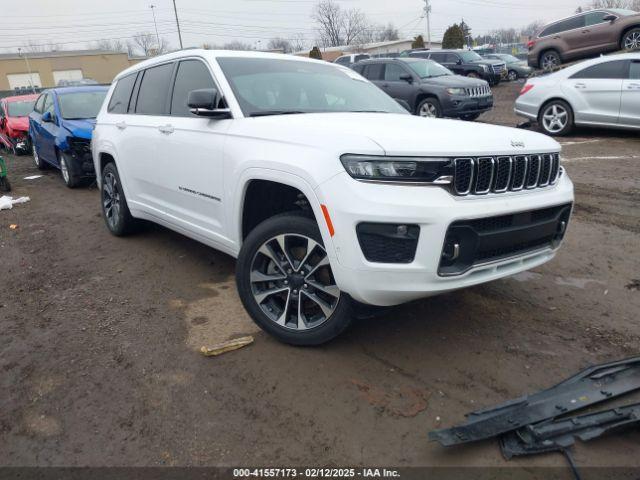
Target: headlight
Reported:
[(398, 169), (484, 67), (456, 91)]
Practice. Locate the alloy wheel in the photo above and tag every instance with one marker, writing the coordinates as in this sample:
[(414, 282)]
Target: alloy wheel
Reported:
[(549, 61), (292, 282), (555, 118), (512, 75), (36, 158), (64, 169), (632, 41), (428, 110), (111, 199)]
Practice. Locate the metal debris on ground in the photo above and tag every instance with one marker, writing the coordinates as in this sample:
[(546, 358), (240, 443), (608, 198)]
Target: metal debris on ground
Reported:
[(228, 346), (32, 177), (13, 226), (540, 422)]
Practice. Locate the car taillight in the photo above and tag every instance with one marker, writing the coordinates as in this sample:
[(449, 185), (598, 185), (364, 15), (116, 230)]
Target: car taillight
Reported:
[(526, 88), (531, 44)]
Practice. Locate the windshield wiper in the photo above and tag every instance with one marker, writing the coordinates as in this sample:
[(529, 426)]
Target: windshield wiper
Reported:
[(267, 113)]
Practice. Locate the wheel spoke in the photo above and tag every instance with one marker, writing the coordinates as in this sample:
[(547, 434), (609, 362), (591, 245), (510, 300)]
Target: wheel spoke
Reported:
[(322, 263), (302, 322), (311, 246), (324, 306), (262, 296), (282, 242), (332, 290), (282, 319), (268, 252), (257, 277)]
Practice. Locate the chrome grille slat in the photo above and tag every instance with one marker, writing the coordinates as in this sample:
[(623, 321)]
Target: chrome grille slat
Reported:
[(475, 92), (500, 174)]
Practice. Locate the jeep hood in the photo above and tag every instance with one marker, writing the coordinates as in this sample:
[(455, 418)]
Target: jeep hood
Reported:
[(81, 128), (393, 134), (454, 81)]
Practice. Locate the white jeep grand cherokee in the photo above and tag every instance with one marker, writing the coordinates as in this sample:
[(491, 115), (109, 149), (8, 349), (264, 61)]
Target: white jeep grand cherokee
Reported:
[(326, 190)]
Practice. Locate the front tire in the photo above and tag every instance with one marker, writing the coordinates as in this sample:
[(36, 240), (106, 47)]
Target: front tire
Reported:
[(285, 282), (631, 40), (429, 108), (37, 160), (512, 76), (556, 118), (115, 210), (69, 176)]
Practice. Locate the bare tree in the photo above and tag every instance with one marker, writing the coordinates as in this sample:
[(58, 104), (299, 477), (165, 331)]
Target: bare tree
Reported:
[(114, 45), (388, 33), (148, 44), (328, 15), (354, 25), (35, 47), (237, 45), (630, 4), (532, 29), (279, 43), (298, 43)]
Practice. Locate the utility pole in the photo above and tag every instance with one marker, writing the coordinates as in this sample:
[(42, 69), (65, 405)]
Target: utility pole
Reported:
[(155, 24), (33, 89), (427, 11), (175, 10)]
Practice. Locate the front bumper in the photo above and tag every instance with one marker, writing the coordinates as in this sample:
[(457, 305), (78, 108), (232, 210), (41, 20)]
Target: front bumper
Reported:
[(457, 105), (433, 209)]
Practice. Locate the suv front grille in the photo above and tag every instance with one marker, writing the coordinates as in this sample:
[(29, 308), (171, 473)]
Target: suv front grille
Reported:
[(481, 91), (482, 175)]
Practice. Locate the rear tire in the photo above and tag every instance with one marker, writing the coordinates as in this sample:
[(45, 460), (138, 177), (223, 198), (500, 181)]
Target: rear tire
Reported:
[(115, 210), (286, 284), (550, 60), (37, 160)]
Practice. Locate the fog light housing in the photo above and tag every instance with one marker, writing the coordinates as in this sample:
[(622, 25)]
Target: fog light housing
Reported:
[(388, 242)]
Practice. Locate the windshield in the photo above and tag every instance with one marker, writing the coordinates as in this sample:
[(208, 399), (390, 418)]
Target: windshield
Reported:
[(81, 104), (20, 109), (623, 12), (264, 86), (429, 68), (470, 56)]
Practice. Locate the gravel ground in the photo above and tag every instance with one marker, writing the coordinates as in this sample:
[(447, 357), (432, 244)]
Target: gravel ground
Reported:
[(99, 362)]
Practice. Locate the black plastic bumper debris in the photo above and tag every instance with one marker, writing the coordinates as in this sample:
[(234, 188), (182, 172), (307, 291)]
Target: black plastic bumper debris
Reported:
[(558, 435), (593, 385)]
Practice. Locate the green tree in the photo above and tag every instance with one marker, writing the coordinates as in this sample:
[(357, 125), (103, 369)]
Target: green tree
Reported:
[(315, 53), (418, 42), (453, 37)]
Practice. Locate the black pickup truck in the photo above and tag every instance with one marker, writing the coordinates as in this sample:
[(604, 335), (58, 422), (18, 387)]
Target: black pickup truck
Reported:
[(465, 62)]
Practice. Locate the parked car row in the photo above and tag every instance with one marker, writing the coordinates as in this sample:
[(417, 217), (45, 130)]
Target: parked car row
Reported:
[(14, 122)]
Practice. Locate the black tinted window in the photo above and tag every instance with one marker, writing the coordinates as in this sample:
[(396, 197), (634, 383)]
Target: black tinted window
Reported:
[(563, 26), (451, 58), (595, 18), (393, 72), (373, 71), (634, 71), (361, 57), (607, 70), (343, 60), (154, 90), (420, 54), (192, 75), (438, 57), (119, 102)]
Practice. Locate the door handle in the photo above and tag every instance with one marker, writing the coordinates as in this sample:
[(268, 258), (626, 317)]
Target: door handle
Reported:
[(166, 128), (580, 86), (633, 86), (586, 31), (121, 125)]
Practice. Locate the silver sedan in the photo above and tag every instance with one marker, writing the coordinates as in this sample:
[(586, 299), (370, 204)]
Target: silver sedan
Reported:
[(601, 92)]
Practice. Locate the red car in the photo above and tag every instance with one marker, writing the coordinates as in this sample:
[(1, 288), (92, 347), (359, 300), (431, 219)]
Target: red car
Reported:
[(14, 122)]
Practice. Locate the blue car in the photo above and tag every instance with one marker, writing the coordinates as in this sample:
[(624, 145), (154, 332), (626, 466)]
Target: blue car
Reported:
[(60, 128)]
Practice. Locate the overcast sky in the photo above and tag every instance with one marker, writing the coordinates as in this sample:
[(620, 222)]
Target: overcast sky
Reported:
[(74, 24)]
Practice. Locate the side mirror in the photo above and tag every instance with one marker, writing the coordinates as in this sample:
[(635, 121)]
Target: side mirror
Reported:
[(404, 104), (406, 77), (609, 18), (47, 117), (204, 103)]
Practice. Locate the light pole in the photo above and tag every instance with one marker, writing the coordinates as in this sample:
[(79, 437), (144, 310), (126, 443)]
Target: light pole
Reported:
[(153, 12), (175, 10), (427, 11), (26, 60)]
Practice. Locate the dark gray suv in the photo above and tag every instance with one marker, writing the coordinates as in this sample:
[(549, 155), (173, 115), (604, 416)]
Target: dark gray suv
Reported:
[(429, 89)]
